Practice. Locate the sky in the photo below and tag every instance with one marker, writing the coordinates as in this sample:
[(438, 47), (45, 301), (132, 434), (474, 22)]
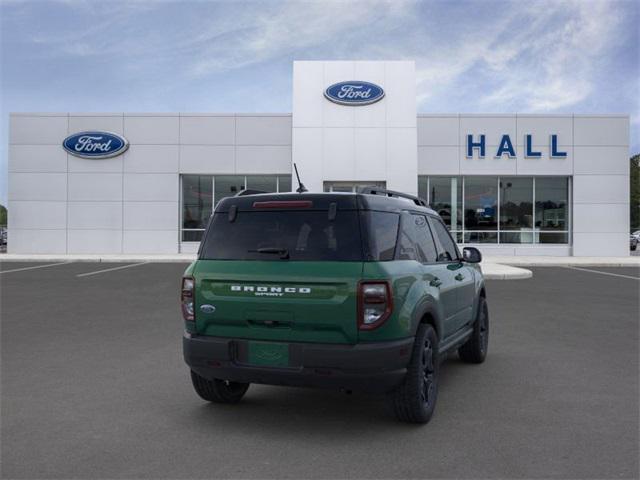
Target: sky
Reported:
[(231, 56)]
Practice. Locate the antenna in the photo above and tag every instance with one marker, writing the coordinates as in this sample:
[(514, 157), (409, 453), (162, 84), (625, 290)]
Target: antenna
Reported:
[(301, 188)]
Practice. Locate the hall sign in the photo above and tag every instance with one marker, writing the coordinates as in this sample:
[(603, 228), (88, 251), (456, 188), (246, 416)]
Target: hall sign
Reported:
[(354, 93), (95, 145), (478, 144)]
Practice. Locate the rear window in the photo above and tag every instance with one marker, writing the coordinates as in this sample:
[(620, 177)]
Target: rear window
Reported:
[(277, 235)]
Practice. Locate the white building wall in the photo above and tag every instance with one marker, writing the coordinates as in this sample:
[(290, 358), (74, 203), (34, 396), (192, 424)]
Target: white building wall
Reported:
[(601, 186), (442, 144), (37, 197), (374, 142), (59, 203)]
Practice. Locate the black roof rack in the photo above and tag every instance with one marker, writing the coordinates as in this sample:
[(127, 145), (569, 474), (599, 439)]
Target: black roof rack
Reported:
[(247, 191), (391, 193)]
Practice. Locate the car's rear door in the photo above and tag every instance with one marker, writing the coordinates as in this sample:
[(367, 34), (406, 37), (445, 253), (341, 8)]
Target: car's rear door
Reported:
[(463, 280)]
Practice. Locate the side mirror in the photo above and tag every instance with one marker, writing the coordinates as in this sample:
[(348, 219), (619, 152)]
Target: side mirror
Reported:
[(471, 255)]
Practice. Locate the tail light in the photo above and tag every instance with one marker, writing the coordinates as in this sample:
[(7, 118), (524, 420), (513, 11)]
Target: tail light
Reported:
[(187, 299), (375, 304), (284, 204)]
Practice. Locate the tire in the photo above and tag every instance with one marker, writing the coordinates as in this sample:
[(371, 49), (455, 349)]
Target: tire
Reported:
[(218, 391), (415, 399), (475, 349)]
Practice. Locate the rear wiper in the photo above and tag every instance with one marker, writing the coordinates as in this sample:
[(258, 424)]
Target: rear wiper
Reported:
[(283, 252)]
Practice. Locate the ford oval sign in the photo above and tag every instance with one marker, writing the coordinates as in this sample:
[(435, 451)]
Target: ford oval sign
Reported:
[(354, 93), (95, 144)]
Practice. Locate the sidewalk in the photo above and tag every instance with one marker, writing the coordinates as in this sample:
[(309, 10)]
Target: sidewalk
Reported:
[(535, 261), (490, 269)]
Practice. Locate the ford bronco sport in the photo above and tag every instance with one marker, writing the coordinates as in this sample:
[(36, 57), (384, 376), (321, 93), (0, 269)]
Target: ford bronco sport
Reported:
[(354, 291)]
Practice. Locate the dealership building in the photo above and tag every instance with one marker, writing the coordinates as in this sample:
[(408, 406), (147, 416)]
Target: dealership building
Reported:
[(511, 184)]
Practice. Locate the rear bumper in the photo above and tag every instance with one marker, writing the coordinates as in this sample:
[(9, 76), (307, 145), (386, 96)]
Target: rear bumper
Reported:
[(368, 367)]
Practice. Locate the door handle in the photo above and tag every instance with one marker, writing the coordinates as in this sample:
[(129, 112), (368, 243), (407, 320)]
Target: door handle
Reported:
[(435, 282), (459, 277)]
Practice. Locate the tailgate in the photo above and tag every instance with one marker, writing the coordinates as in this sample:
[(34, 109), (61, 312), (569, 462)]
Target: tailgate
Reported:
[(278, 300)]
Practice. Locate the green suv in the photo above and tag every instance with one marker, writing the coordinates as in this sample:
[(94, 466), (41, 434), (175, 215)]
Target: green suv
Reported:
[(355, 291)]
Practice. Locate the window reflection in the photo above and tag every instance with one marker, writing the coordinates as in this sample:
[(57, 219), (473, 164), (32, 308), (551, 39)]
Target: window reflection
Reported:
[(445, 197), (551, 203), (480, 203), (197, 201), (531, 209), (200, 193), (228, 186), (284, 183), (516, 209), (480, 237), (262, 183), (516, 203), (552, 237)]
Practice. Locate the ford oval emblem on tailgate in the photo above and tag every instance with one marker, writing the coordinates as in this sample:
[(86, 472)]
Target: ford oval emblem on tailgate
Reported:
[(207, 308)]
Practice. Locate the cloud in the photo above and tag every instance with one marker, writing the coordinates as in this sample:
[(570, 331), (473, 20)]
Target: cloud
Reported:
[(544, 57), (535, 57), (209, 38), (294, 28), (570, 52)]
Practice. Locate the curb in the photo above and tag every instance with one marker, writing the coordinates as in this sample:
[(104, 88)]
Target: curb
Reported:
[(496, 271), (631, 261), (575, 264)]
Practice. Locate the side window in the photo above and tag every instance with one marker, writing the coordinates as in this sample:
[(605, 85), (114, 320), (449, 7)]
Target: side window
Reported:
[(412, 244), (382, 228), (447, 250), (426, 239)]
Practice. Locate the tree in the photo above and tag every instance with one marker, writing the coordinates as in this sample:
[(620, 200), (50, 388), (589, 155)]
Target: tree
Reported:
[(634, 175), (3, 215)]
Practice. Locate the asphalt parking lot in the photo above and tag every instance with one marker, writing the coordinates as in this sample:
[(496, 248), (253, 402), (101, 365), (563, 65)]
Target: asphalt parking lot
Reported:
[(94, 386)]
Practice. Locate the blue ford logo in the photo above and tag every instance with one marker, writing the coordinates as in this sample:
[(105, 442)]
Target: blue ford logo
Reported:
[(95, 144), (206, 308), (354, 93)]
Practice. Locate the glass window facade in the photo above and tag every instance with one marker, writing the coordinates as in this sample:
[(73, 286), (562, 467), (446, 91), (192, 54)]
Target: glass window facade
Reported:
[(476, 209), (197, 198), (351, 187), (200, 194), (505, 210), (445, 194), (516, 209)]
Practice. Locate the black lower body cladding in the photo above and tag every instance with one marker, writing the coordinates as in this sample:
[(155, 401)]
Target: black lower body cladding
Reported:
[(368, 367)]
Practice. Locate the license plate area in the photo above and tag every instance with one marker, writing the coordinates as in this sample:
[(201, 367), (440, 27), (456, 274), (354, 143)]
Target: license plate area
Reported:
[(268, 354)]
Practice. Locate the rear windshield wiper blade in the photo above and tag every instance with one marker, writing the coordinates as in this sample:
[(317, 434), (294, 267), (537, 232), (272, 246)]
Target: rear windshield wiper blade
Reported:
[(283, 252)]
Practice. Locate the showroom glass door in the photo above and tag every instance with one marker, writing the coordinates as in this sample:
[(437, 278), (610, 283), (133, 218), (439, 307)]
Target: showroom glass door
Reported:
[(351, 186)]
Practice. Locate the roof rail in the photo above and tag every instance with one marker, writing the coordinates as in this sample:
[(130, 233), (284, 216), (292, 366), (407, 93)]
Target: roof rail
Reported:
[(248, 191), (373, 190)]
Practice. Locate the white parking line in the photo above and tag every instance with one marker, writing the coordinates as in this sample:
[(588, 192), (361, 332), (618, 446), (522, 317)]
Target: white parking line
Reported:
[(110, 269), (33, 268), (604, 273)]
